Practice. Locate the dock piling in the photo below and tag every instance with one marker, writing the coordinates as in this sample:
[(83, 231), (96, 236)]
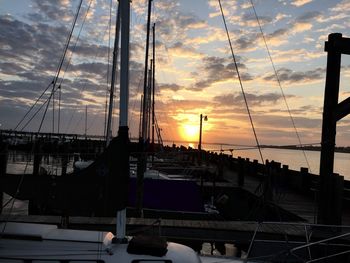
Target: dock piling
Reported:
[(37, 156), (3, 165)]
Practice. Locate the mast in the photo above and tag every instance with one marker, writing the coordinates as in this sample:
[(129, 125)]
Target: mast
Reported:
[(123, 132), (85, 122), (59, 108), (149, 102), (140, 124), (153, 84), (141, 165), (331, 184), (114, 67), (144, 112)]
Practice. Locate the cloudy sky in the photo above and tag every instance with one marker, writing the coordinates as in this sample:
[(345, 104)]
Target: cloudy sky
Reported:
[(195, 71)]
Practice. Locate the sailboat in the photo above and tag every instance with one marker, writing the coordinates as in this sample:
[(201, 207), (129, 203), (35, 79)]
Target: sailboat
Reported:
[(23, 242), (98, 181)]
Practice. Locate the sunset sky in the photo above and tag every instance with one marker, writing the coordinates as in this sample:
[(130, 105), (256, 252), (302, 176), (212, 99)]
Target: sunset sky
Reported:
[(194, 68)]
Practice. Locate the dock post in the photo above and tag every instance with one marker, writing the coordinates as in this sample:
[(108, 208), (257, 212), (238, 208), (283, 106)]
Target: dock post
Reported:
[(305, 179), (64, 158), (3, 165), (285, 174), (268, 190), (338, 194), (37, 156), (332, 113), (240, 172)]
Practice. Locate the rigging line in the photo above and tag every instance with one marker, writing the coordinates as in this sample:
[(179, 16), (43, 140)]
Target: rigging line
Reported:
[(279, 83), (81, 93), (108, 65), (70, 59), (76, 42), (16, 194), (38, 110), (67, 43), (42, 94), (133, 108), (240, 82), (59, 108), (47, 106), (60, 65)]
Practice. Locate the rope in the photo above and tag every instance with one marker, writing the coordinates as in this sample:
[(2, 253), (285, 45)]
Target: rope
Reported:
[(240, 82), (33, 115), (13, 199), (53, 83), (61, 64), (279, 83), (42, 94), (80, 97), (108, 62), (70, 59), (59, 108)]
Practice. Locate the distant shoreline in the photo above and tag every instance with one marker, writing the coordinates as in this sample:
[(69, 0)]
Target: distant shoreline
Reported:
[(307, 148)]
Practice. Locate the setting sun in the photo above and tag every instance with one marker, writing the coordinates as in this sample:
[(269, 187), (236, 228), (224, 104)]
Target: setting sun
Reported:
[(189, 132)]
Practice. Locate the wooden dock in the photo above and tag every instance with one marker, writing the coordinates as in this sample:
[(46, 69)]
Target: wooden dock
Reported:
[(204, 231), (290, 200)]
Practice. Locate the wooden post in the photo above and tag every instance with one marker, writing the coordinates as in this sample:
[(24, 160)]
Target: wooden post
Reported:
[(332, 112), (64, 158), (337, 197), (285, 174), (3, 165), (305, 179), (268, 191), (240, 172), (37, 156), (255, 167)]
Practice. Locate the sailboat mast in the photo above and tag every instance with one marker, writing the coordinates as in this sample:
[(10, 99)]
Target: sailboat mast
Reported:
[(114, 67), (86, 122), (123, 132), (140, 124), (124, 62), (144, 112), (153, 81), (149, 101)]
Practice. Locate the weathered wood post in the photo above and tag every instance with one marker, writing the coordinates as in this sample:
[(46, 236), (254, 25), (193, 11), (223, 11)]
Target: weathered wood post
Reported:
[(305, 179), (64, 158), (3, 165), (240, 171), (255, 165), (332, 112), (268, 191), (37, 156)]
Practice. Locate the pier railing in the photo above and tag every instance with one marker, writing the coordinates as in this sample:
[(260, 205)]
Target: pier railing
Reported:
[(274, 177)]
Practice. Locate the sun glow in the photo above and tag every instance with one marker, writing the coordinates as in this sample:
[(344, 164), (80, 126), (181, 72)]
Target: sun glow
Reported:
[(189, 132)]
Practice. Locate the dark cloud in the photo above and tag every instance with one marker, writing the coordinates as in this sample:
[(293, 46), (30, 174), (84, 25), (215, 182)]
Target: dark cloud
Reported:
[(278, 33), (308, 16), (219, 69), (39, 46), (187, 105), (252, 99), (172, 26), (169, 86), (290, 76), (250, 18), (245, 42), (49, 11), (93, 69), (86, 49), (189, 21), (280, 122)]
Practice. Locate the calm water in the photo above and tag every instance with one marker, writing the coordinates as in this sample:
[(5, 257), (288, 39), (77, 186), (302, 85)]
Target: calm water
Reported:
[(294, 158)]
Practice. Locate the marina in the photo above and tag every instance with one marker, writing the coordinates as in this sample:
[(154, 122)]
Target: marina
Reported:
[(126, 195)]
